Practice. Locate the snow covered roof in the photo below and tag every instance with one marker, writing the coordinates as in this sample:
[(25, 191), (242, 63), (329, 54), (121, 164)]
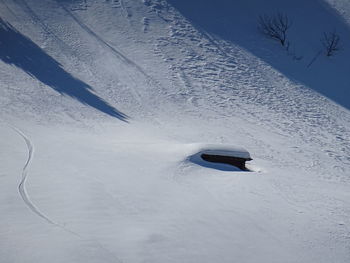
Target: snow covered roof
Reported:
[(220, 149)]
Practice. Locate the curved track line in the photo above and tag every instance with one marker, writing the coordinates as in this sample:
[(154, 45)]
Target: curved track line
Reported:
[(22, 185), (24, 194)]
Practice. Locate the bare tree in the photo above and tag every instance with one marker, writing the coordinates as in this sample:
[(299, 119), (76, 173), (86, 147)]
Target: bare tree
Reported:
[(330, 42), (275, 27)]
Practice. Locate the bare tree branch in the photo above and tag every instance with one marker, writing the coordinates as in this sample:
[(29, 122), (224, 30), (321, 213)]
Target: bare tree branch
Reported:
[(275, 26), (330, 42)]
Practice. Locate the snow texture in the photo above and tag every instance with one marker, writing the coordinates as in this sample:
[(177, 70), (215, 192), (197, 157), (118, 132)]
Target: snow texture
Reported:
[(105, 106)]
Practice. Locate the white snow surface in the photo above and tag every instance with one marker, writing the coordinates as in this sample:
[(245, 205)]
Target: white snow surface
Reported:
[(103, 102), (221, 149)]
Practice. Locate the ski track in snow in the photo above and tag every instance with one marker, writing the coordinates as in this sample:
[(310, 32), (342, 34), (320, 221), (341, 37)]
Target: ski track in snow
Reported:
[(26, 198), (9, 9), (127, 61), (22, 185), (208, 77), (37, 20), (48, 33), (117, 53)]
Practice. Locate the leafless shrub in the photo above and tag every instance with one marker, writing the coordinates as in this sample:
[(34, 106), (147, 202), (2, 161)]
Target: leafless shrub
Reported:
[(330, 42), (275, 27)]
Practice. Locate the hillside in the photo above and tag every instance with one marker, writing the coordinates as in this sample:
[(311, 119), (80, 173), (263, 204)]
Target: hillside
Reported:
[(103, 103)]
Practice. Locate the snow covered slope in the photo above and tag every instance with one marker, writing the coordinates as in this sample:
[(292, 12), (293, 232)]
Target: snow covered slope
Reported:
[(237, 22), (102, 101)]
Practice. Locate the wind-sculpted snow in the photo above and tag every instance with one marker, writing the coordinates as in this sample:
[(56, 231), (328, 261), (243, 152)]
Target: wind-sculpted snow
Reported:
[(18, 50)]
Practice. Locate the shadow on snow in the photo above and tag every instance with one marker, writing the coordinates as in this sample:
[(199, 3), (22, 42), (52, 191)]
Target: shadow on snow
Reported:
[(197, 159), (16, 49), (236, 22)]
